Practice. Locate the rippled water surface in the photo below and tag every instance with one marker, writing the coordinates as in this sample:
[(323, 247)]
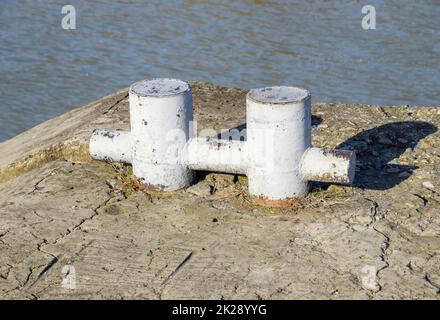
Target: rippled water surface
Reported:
[(316, 44)]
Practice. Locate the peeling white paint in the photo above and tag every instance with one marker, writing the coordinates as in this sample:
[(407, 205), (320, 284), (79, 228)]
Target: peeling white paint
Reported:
[(111, 146), (277, 157), (328, 165), (216, 155), (160, 113), (278, 133)]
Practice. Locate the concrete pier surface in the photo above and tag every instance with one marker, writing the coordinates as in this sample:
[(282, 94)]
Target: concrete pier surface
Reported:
[(75, 228)]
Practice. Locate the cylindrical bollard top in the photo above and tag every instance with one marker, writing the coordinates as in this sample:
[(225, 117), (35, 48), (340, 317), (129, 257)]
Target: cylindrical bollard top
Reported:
[(278, 95), (160, 117), (160, 88), (278, 133)]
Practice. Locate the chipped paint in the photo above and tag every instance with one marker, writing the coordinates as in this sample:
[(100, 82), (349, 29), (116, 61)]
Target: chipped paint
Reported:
[(216, 155), (277, 157), (111, 146), (328, 165)]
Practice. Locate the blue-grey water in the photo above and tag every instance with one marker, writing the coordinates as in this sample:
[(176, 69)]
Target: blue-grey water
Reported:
[(318, 44)]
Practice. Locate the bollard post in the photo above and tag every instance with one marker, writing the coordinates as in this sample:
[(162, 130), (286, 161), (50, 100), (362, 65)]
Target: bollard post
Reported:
[(277, 156)]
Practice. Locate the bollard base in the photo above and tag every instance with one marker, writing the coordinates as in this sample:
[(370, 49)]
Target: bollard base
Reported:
[(148, 188), (294, 203)]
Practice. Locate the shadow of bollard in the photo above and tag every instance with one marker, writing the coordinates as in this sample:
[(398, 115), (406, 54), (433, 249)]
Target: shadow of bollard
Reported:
[(376, 147)]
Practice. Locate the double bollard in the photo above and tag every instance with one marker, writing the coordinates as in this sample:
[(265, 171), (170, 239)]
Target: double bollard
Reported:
[(277, 156)]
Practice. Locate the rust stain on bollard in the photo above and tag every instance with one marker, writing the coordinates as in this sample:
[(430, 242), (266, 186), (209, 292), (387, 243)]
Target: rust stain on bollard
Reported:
[(147, 188), (293, 203)]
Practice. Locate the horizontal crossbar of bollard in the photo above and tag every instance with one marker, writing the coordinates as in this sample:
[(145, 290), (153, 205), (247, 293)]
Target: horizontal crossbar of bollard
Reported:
[(277, 155)]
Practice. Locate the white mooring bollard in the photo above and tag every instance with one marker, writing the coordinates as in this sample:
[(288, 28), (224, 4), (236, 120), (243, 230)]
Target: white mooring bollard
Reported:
[(277, 156)]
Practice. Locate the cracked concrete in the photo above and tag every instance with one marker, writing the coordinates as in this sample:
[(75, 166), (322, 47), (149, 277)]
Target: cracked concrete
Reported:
[(376, 240)]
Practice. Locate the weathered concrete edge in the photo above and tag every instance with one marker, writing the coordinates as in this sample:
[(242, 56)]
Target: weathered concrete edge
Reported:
[(69, 147)]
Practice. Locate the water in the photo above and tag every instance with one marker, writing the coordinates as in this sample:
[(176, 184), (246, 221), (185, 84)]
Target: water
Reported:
[(320, 45)]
